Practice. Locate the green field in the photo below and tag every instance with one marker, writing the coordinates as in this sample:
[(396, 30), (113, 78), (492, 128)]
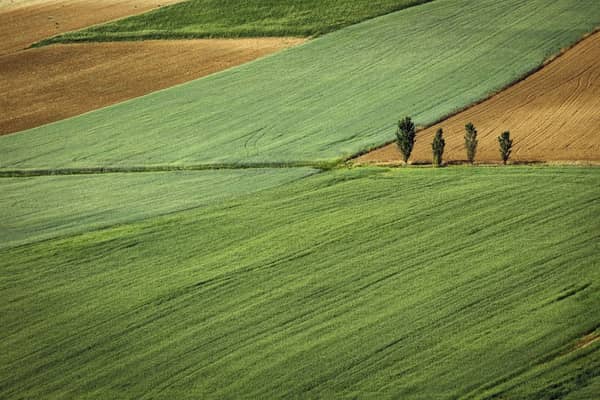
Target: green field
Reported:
[(132, 279), (328, 99), (234, 18), (362, 283), (37, 208)]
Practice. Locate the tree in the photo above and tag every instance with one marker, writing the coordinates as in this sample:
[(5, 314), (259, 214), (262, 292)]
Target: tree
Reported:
[(505, 146), (437, 146), (405, 136), (471, 141)]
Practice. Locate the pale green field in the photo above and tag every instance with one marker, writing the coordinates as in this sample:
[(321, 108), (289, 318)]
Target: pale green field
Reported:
[(324, 100), (37, 208)]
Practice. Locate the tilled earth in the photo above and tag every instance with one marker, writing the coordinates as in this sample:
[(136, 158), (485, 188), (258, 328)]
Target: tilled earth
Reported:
[(553, 115)]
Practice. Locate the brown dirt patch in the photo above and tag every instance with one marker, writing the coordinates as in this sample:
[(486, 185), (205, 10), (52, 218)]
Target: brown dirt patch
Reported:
[(553, 115), (587, 340), (54, 82), (23, 22)]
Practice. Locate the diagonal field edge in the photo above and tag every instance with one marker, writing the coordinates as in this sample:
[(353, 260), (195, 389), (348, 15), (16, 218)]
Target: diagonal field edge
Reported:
[(327, 99), (258, 286), (14, 173), (202, 19), (551, 60), (37, 208)]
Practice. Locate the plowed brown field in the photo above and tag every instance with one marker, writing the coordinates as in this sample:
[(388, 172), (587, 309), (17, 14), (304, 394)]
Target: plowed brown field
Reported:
[(553, 115), (23, 22), (54, 82)]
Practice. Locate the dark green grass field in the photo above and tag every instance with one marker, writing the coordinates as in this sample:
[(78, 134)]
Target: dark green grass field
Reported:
[(364, 283), (328, 99), (234, 18)]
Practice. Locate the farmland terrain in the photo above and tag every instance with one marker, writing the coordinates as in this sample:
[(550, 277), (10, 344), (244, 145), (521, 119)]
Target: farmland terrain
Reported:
[(56, 82), (363, 283), (52, 206), (340, 93), (204, 241), (24, 22), (46, 85), (232, 18), (553, 115)]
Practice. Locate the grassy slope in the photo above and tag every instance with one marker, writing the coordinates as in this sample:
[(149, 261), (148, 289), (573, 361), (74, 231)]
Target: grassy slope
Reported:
[(44, 207), (329, 98), (413, 283), (234, 18)]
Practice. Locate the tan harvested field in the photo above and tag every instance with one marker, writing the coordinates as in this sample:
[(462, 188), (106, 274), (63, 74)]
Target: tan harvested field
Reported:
[(553, 115), (23, 22), (50, 83)]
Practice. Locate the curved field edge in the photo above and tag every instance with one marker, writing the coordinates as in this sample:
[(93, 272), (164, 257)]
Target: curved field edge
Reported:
[(199, 19), (327, 99), (551, 114), (403, 283), (101, 74), (38, 208)]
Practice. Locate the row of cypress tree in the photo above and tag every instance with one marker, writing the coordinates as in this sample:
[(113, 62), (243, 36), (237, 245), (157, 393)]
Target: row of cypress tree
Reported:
[(406, 136)]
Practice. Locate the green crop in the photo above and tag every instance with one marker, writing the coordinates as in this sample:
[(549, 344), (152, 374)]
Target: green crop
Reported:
[(325, 100), (365, 283)]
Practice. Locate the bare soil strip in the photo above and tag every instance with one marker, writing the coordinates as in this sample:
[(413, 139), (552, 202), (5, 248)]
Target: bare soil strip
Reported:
[(23, 22), (553, 115), (587, 340), (50, 83)]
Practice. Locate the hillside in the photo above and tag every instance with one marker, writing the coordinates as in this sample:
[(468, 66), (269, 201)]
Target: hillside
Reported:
[(41, 86), (39, 208), (47, 84), (365, 283), (327, 99), (232, 18), (205, 241), (552, 116), (25, 21)]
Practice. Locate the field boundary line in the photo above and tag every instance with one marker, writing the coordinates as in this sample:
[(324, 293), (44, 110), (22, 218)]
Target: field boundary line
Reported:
[(319, 165), (15, 173), (454, 113), (64, 38)]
